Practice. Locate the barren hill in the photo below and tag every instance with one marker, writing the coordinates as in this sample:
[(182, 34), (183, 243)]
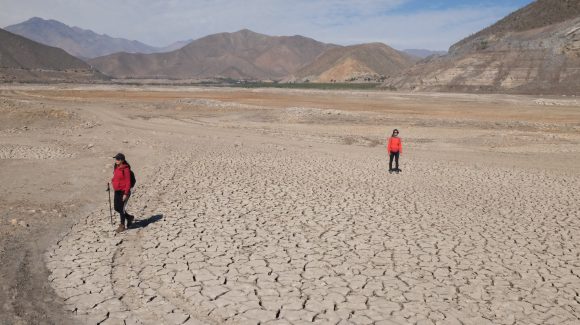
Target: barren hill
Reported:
[(356, 62), (24, 60), (79, 42), (536, 15), (533, 50), (240, 55)]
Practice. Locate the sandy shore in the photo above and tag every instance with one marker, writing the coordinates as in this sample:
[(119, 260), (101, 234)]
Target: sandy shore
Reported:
[(276, 207)]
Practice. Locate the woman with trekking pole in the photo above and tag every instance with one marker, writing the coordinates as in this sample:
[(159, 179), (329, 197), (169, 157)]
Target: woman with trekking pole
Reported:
[(122, 186), (394, 148)]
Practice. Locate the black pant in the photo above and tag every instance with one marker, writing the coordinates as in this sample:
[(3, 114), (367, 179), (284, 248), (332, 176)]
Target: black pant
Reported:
[(396, 156), (120, 205)]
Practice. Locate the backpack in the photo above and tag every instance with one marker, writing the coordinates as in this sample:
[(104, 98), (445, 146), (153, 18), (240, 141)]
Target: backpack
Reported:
[(133, 180)]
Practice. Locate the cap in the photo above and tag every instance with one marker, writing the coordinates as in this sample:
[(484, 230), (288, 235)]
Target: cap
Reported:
[(119, 156)]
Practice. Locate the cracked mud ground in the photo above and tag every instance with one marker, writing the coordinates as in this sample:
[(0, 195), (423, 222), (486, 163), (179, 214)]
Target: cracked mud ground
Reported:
[(256, 228), (255, 236)]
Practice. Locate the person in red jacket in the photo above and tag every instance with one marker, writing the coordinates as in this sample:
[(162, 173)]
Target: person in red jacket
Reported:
[(394, 148), (122, 185)]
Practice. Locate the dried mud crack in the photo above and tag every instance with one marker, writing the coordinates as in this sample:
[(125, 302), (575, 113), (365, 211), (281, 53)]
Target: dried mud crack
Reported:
[(248, 235)]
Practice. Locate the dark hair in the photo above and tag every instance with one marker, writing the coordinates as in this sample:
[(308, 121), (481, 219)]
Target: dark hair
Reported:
[(124, 162), (395, 130)]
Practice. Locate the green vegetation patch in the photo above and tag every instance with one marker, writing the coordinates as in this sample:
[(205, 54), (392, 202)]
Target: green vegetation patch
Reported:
[(302, 85)]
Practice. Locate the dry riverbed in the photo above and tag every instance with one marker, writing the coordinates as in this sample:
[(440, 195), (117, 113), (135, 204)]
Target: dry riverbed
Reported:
[(272, 206)]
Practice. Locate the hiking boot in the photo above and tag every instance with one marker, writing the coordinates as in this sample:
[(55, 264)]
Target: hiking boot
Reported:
[(121, 228), (130, 219)]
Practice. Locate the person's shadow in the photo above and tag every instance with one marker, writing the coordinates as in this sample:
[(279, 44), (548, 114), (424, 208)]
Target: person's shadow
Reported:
[(145, 222)]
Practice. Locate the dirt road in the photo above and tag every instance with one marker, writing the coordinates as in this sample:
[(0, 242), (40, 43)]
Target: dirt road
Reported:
[(276, 207)]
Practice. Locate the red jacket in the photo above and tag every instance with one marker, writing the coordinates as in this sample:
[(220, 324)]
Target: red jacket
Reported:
[(122, 179), (395, 145)]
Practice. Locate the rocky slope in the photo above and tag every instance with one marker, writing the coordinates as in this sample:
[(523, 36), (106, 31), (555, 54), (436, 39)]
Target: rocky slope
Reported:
[(533, 50), (365, 62), (24, 60), (240, 55)]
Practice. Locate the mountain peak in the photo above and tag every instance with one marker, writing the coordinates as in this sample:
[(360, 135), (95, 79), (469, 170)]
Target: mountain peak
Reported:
[(42, 21), (247, 33)]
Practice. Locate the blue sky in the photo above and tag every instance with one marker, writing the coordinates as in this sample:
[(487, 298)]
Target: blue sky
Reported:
[(428, 24), (421, 5)]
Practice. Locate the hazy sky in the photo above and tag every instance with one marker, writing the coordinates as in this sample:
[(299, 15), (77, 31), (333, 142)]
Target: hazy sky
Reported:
[(429, 24)]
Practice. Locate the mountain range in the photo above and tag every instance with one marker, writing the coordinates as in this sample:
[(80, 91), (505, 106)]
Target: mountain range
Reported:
[(79, 42), (249, 55), (535, 49), (240, 55)]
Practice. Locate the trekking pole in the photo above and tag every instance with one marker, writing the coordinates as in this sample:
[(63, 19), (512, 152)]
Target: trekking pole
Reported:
[(110, 209)]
